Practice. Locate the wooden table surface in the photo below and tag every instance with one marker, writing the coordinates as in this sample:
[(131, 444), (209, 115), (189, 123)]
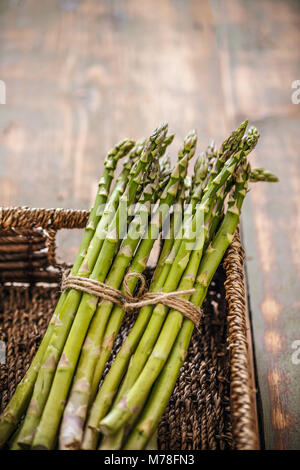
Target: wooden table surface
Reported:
[(81, 75)]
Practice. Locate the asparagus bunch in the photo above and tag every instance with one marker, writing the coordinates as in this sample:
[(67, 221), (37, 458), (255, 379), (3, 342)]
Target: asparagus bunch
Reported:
[(80, 394), (96, 266), (160, 395), (16, 407), (248, 145), (91, 434), (59, 402), (107, 389), (162, 331), (40, 378)]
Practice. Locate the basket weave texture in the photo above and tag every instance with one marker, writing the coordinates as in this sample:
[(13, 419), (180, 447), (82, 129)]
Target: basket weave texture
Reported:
[(212, 403)]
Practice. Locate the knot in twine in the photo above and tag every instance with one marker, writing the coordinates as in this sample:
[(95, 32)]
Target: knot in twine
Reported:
[(142, 298)]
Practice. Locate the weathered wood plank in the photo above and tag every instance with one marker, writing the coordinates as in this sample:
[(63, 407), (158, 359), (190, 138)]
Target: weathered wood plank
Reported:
[(81, 75), (259, 63)]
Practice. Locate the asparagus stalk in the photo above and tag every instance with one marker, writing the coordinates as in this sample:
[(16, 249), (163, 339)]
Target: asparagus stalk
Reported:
[(165, 160), (146, 344), (16, 407), (91, 434), (101, 258), (137, 393), (110, 385), (231, 144), (139, 266), (228, 147), (166, 382), (209, 166), (74, 416), (62, 324), (201, 177), (191, 186), (211, 153), (13, 441), (158, 400), (163, 388), (64, 321), (110, 163), (154, 167), (152, 442), (175, 266), (261, 174), (174, 226), (105, 395), (255, 176), (218, 209), (165, 165), (201, 169), (96, 265), (165, 202), (147, 341)]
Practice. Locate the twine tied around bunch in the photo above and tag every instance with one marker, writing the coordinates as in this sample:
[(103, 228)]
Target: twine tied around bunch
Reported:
[(142, 298)]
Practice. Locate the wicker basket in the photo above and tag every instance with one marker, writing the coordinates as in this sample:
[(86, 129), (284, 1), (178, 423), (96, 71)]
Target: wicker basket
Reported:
[(213, 403)]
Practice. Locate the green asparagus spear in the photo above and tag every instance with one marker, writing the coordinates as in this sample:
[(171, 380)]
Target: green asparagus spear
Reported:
[(16, 407), (261, 174), (96, 265), (185, 155), (131, 400), (74, 415), (70, 435), (102, 404), (164, 385)]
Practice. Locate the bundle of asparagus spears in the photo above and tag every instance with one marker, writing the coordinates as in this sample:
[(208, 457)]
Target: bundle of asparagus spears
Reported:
[(59, 402)]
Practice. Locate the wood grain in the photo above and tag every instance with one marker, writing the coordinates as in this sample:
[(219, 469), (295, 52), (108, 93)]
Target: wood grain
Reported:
[(82, 74), (259, 64)]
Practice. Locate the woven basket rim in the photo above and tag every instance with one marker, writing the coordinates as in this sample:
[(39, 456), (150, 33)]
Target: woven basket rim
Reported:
[(242, 394)]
